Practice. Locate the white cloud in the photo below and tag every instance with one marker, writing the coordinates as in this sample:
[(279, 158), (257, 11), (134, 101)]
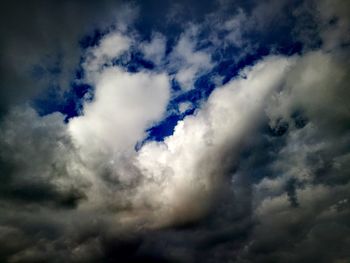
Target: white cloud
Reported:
[(187, 61), (174, 181), (91, 166), (189, 165), (110, 47), (155, 49), (185, 106), (124, 106)]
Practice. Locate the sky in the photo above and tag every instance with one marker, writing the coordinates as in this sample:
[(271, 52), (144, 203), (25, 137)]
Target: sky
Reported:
[(175, 131)]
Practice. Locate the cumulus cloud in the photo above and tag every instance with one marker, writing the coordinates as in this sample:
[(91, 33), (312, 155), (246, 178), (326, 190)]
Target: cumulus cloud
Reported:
[(191, 162), (258, 172), (110, 127), (126, 104), (105, 134)]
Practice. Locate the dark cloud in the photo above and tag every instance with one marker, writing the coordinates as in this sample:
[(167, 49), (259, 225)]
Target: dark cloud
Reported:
[(40, 43), (34, 156), (279, 194)]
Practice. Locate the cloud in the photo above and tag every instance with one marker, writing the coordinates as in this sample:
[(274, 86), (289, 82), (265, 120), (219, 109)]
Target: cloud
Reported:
[(259, 172), (125, 105), (155, 49), (176, 187), (176, 181), (110, 47), (191, 163), (41, 43), (185, 106), (38, 170), (305, 195), (188, 62)]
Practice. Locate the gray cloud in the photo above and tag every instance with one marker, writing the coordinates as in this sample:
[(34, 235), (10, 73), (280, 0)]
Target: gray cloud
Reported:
[(259, 173), (35, 159), (40, 43)]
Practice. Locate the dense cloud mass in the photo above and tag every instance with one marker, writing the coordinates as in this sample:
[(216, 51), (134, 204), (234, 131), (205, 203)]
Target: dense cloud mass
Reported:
[(140, 131)]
